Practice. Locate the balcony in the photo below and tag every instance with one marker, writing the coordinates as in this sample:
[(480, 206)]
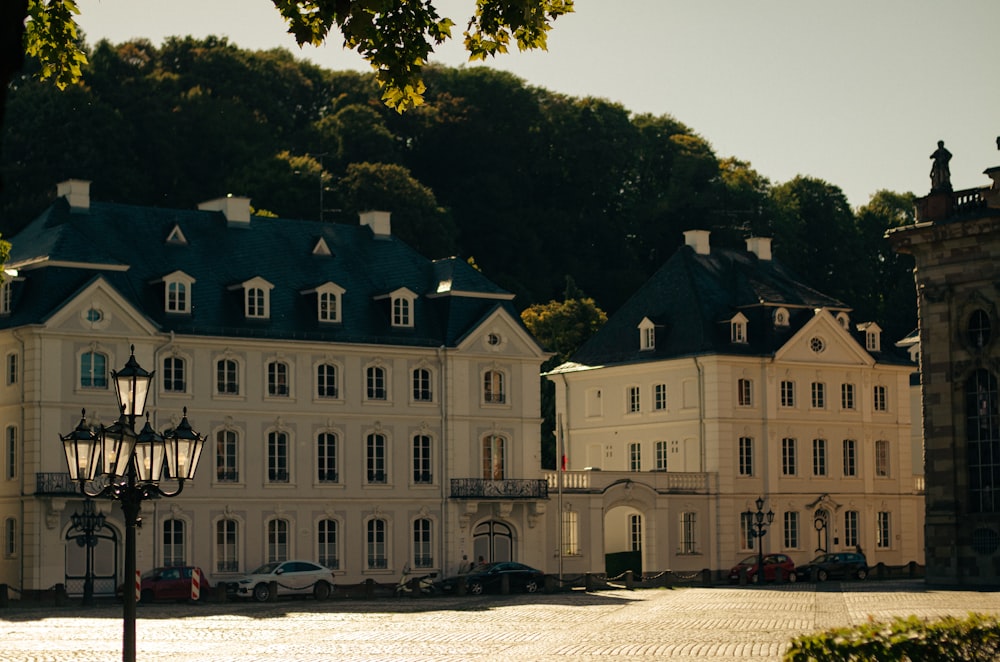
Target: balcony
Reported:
[(513, 488), (55, 484), (663, 482)]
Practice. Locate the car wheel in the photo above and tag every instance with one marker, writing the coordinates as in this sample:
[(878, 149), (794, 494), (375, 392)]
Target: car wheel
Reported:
[(476, 588), (862, 573), (146, 596), (821, 575), (792, 577), (321, 590), (261, 592), (754, 578), (531, 586)]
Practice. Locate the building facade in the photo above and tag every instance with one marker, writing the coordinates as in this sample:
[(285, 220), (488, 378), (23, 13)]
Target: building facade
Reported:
[(364, 407), (955, 242), (724, 379)]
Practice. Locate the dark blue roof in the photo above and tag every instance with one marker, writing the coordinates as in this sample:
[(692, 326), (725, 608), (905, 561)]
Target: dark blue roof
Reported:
[(63, 250)]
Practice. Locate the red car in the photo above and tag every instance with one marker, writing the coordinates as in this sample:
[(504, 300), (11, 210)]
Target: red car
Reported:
[(771, 564), (172, 583)]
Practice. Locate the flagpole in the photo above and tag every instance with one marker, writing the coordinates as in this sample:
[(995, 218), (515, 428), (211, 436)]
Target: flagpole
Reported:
[(560, 470)]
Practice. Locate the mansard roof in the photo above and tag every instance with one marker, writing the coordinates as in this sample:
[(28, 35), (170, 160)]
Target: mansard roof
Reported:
[(134, 247), (695, 296)]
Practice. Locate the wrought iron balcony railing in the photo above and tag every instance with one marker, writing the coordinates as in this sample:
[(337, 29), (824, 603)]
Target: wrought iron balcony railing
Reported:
[(511, 488), (55, 484)]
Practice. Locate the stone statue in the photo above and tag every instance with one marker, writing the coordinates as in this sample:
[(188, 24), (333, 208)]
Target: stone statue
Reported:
[(940, 172)]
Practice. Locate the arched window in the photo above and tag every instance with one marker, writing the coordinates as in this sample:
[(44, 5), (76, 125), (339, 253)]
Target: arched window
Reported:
[(227, 377), (174, 374), (277, 540), (93, 370), (326, 457), (979, 329), (277, 457), (173, 542), (227, 545), (377, 544), (423, 557), (493, 387), (326, 381), (494, 457), (326, 541), (983, 441)]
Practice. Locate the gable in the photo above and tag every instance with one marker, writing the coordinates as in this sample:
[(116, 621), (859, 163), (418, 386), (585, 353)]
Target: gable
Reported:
[(823, 340), (500, 334), (99, 307)]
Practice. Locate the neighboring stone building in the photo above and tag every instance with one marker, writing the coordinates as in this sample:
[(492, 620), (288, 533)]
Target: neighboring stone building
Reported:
[(364, 406), (722, 379), (956, 244)]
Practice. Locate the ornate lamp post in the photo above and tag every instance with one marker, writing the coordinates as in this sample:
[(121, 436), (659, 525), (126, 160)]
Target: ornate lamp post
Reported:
[(88, 524), (759, 531), (124, 466)]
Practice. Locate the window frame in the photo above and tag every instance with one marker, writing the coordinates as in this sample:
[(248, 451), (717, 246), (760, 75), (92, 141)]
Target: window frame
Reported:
[(744, 392), (279, 461), (324, 383), (228, 373), (376, 383), (173, 542), (227, 456), (787, 394), (494, 387), (788, 457), (376, 543), (633, 402), (422, 532), (422, 379), (818, 395), (790, 529), (376, 458), (880, 398), (278, 379), (89, 379), (819, 449), (745, 456), (850, 455), (328, 543), (848, 399), (327, 460), (661, 450), (422, 455), (883, 463), (226, 547)]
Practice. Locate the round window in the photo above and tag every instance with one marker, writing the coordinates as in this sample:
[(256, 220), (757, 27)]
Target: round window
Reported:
[(94, 315), (816, 344), (493, 339)]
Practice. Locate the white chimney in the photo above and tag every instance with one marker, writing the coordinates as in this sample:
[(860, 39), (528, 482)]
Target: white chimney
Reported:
[(378, 221), (698, 240), (76, 192), (235, 209), (760, 246)]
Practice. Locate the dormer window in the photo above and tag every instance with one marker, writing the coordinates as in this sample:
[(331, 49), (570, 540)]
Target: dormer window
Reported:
[(873, 336), (256, 298), (738, 329), (401, 304), (647, 335), (328, 302), (781, 317), (844, 320), (177, 293)]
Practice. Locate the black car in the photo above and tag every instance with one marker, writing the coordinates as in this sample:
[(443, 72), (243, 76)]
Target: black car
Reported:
[(835, 564), (488, 577)]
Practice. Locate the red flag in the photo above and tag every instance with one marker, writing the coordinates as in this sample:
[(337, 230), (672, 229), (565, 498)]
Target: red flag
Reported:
[(564, 463)]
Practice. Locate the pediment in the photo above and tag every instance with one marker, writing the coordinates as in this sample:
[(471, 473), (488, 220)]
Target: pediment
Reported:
[(99, 308), (823, 340), (499, 334)]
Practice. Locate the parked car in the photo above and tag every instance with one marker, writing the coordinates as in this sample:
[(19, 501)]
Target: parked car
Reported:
[(836, 564), (169, 583), (771, 564), (488, 577), (290, 578)]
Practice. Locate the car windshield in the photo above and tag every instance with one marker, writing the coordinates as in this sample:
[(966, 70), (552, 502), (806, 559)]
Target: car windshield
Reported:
[(750, 560), (266, 569), (823, 558)]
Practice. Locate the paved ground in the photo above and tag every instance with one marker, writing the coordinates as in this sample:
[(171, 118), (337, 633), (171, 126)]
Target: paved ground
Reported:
[(731, 623)]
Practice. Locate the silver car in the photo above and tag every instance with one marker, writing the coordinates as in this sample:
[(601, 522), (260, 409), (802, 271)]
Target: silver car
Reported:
[(289, 578)]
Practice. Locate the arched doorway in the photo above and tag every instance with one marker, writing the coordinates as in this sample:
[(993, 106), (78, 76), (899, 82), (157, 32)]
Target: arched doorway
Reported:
[(624, 535), (821, 522), (493, 541), (103, 555)]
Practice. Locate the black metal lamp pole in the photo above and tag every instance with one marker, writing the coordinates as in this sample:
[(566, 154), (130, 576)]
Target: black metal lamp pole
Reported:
[(127, 468), (760, 530)]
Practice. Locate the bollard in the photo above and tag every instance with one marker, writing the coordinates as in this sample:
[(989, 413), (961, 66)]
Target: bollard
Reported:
[(460, 586), (779, 574), (588, 582), (272, 591), (195, 584), (629, 580), (4, 598), (706, 577), (550, 585), (369, 588), (138, 586), (504, 584), (743, 575)]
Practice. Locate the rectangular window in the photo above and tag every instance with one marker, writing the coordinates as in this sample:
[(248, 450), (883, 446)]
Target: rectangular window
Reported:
[(400, 312), (277, 457), (277, 541), (787, 393), (326, 381), (494, 460), (819, 457), (376, 383), (883, 532), (818, 395), (746, 456), (11, 470), (327, 302), (788, 456), (326, 457), (226, 458), (11, 369), (226, 549), (423, 557), (93, 370), (10, 538), (227, 377), (493, 387), (422, 385), (851, 528), (277, 379), (747, 538), (177, 297), (255, 302), (570, 531), (791, 530), (882, 458), (635, 533), (660, 397), (326, 542), (879, 401), (689, 530), (847, 396), (376, 547), (422, 459), (173, 542), (744, 393), (173, 374), (634, 457), (633, 399), (661, 456), (850, 457), (375, 450)]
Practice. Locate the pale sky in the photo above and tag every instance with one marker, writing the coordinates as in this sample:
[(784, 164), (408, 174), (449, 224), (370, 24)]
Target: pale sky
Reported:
[(855, 92)]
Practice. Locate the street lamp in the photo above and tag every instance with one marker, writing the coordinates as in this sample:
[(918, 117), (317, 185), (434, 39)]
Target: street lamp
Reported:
[(127, 467), (759, 531), (88, 524)]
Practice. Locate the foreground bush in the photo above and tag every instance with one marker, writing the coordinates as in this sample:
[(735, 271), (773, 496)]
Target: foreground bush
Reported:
[(972, 639)]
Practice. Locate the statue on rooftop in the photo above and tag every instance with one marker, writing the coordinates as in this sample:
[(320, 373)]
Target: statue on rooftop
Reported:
[(940, 172)]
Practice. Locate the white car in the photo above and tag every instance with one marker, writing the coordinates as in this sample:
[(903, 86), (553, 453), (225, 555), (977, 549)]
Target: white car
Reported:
[(289, 577)]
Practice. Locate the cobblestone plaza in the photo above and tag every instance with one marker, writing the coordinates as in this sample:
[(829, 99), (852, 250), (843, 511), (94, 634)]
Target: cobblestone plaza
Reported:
[(721, 623)]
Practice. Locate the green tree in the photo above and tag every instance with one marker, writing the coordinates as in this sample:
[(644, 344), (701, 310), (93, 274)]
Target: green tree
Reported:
[(561, 327)]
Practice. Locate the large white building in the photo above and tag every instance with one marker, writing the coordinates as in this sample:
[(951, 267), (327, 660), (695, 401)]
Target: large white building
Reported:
[(364, 407), (724, 379)]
